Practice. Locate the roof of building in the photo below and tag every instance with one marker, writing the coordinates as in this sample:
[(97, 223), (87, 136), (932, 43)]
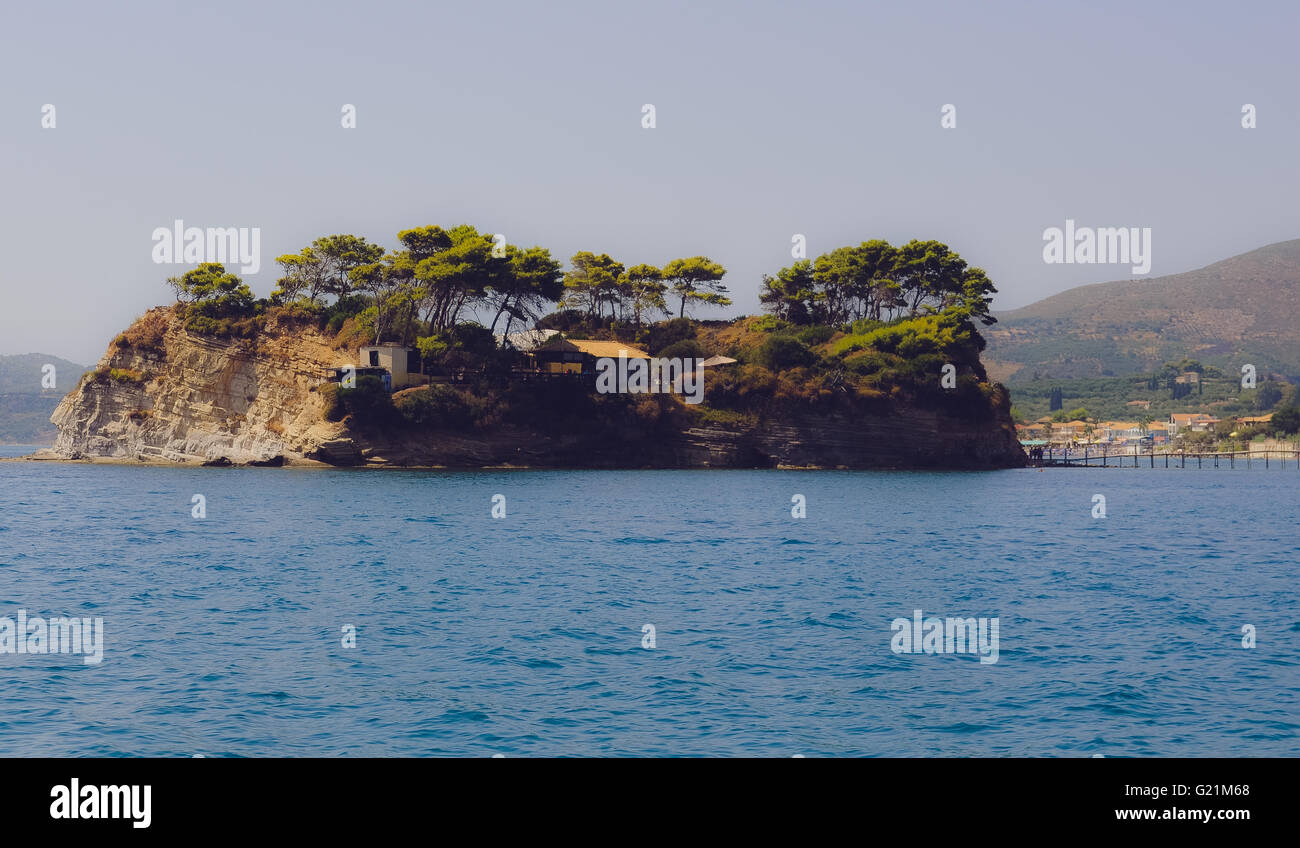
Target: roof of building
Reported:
[(713, 361), (1257, 419), (594, 347), (1188, 417)]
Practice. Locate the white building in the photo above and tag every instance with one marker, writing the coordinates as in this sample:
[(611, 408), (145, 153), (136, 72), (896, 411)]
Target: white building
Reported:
[(396, 359)]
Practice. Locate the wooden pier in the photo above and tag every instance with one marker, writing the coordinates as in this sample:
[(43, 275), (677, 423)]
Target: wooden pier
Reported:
[(1099, 458)]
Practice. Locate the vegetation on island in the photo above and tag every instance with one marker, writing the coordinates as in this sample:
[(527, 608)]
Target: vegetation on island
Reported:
[(854, 330)]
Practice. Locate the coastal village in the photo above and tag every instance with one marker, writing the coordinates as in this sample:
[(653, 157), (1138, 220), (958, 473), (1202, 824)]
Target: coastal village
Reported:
[(1133, 436), (1205, 411)]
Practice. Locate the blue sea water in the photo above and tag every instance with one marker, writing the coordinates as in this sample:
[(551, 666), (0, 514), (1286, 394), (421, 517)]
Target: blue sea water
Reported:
[(522, 636)]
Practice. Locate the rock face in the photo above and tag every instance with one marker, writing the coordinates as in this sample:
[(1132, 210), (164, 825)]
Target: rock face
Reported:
[(909, 438), (181, 397), (163, 394)]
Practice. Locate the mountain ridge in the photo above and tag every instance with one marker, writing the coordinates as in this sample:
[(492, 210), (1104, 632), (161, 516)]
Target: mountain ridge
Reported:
[(25, 406), (1239, 310)]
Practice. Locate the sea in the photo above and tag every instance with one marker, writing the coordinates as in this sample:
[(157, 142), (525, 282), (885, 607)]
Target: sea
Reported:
[(278, 612)]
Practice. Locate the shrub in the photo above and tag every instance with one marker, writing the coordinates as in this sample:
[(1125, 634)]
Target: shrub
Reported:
[(223, 320), (334, 410), (813, 336), (769, 324), (146, 333), (684, 349), (300, 313), (334, 315), (126, 375), (866, 362), (663, 335), (440, 407), (368, 403), (723, 417), (866, 325), (782, 352)]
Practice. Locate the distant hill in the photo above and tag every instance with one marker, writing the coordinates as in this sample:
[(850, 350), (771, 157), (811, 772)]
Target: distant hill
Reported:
[(1241, 310), (25, 407)]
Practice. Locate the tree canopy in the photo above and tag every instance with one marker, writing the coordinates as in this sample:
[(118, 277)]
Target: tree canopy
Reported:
[(211, 285), (878, 282), (696, 280)]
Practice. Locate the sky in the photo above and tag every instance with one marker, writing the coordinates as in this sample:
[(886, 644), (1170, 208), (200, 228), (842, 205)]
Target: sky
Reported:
[(525, 119)]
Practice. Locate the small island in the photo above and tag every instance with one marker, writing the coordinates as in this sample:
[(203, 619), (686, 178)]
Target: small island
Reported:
[(458, 350)]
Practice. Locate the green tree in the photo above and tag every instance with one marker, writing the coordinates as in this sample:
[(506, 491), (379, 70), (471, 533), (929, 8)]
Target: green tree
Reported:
[(977, 292), (696, 280), (643, 291), (592, 284), (324, 267), (879, 282), (419, 244), (856, 282), (929, 273), (1268, 395), (530, 279), (391, 292), (790, 293), (458, 275), (212, 287), (1286, 420)]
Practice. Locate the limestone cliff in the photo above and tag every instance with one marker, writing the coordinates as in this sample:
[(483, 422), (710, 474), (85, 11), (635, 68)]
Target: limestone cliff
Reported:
[(164, 394)]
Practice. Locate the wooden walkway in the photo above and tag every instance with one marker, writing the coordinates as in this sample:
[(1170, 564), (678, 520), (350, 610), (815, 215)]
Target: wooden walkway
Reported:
[(1092, 457)]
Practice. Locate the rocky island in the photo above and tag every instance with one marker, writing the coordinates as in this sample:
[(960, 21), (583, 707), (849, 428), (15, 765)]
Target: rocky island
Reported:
[(869, 358)]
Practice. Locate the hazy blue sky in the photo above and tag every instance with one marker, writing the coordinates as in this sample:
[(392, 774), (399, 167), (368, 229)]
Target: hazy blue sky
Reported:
[(525, 119)]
